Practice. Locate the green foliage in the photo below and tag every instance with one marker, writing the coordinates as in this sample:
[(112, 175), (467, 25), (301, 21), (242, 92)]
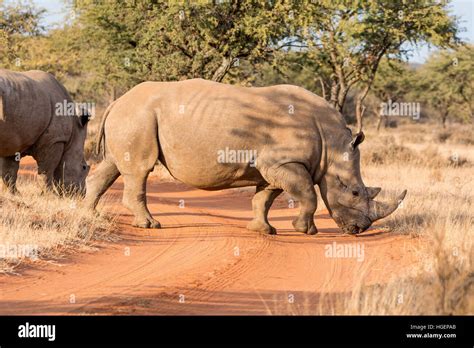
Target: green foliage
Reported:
[(17, 23), (295, 68), (134, 41), (394, 80), (334, 48), (351, 38), (446, 84)]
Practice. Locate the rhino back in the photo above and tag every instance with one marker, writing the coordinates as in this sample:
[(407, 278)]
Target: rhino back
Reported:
[(28, 108), (207, 131)]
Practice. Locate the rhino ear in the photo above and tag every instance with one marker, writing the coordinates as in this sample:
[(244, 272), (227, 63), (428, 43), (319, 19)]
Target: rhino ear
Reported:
[(359, 138), (84, 119), (372, 192), (83, 114)]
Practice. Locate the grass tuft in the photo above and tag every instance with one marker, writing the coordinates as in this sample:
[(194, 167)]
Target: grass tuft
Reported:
[(36, 226)]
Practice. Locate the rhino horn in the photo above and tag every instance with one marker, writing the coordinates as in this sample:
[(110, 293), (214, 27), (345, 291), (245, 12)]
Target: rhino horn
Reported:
[(372, 192), (379, 210)]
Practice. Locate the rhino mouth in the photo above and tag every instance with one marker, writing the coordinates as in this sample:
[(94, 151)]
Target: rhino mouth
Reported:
[(348, 228), (377, 211), (353, 229)]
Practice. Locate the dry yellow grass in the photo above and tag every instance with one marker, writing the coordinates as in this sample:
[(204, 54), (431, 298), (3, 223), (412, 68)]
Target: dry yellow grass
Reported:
[(35, 227), (440, 209), (442, 283), (438, 212)]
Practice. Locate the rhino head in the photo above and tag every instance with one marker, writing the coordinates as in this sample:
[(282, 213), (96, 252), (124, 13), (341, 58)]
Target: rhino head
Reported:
[(351, 204), (73, 169)]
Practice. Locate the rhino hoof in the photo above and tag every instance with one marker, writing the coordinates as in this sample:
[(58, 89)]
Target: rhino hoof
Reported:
[(147, 224), (259, 226), (312, 230), (303, 227)]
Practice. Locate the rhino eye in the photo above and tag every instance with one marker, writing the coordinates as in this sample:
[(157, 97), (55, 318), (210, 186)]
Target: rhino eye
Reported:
[(355, 193)]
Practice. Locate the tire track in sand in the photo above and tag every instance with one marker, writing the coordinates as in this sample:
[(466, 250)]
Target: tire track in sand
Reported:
[(193, 255)]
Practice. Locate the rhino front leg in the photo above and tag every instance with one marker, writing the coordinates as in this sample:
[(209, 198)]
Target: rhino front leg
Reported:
[(9, 172), (261, 203), (134, 198), (48, 161), (294, 179)]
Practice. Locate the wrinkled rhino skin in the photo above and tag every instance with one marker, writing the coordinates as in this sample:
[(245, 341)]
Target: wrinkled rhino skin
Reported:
[(29, 125), (299, 141)]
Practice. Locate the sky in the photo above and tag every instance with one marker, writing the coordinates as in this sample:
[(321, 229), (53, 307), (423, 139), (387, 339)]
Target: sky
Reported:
[(460, 8), (464, 9)]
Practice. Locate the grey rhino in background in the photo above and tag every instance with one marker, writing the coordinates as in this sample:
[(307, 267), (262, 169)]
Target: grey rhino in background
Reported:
[(299, 139), (30, 125)]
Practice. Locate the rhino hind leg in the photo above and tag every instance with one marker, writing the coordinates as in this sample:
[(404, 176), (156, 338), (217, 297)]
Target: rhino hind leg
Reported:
[(9, 173), (134, 198), (294, 179), (261, 203), (97, 184)]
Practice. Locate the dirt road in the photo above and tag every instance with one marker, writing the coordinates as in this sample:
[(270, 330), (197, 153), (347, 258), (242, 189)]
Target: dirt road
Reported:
[(204, 261)]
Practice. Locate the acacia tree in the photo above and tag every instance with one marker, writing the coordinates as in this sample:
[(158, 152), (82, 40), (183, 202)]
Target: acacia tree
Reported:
[(462, 75), (210, 38), (138, 40), (395, 80), (351, 38), (17, 23), (446, 84)]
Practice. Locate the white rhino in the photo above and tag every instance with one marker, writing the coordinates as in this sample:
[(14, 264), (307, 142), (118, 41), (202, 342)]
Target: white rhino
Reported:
[(196, 128), (30, 124)]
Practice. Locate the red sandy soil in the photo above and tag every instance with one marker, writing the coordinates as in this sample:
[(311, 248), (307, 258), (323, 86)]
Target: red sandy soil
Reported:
[(204, 261)]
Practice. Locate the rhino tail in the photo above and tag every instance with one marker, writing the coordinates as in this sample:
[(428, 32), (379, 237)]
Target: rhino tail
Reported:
[(101, 135)]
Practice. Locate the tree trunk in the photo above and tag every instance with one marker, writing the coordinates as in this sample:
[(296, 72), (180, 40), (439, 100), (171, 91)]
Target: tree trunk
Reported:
[(323, 88), (223, 69), (112, 94), (360, 108), (338, 96), (334, 93), (342, 98), (379, 122), (444, 116)]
